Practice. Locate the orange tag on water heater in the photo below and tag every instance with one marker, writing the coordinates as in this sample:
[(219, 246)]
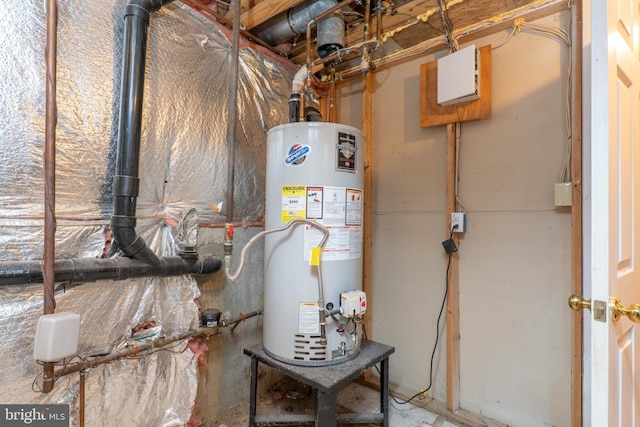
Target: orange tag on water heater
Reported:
[(316, 253)]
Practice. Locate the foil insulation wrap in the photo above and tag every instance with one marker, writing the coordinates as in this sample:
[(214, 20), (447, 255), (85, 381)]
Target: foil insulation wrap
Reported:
[(183, 169)]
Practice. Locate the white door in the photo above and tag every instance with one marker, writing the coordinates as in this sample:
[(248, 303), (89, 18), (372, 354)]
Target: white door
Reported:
[(612, 207)]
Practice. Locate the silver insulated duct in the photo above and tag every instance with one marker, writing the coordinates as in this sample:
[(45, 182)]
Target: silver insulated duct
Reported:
[(294, 22)]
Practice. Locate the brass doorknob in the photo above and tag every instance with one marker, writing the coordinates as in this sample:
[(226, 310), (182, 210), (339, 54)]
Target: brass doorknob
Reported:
[(577, 303), (618, 310)]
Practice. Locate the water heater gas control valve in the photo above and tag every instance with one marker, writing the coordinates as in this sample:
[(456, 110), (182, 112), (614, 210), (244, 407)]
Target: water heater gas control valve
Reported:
[(353, 303)]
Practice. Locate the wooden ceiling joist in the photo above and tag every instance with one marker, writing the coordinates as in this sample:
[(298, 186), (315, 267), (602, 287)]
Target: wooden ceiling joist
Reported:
[(264, 10)]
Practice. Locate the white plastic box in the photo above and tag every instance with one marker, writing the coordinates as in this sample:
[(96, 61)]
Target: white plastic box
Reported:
[(56, 336), (459, 76)]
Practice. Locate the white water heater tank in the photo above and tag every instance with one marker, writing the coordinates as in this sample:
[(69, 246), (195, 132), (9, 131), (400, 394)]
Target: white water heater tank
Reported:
[(314, 172)]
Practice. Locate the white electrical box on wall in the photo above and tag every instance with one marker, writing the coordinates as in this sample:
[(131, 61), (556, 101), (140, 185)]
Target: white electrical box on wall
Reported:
[(563, 194), (459, 76), (56, 336)]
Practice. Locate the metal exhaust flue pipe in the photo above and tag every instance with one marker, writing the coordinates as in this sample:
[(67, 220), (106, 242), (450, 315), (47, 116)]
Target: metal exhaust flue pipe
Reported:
[(293, 22)]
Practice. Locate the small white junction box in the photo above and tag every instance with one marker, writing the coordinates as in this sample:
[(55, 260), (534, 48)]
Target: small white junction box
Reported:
[(459, 76), (56, 336), (563, 194), (353, 303)]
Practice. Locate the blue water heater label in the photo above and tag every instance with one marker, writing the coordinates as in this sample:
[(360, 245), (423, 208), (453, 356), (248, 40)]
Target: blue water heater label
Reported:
[(297, 154)]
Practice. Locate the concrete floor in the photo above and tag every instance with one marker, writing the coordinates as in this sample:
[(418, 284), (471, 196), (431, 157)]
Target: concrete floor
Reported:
[(289, 396)]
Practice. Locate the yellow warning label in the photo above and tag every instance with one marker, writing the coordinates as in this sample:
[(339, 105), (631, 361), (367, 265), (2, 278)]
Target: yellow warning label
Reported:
[(316, 254), (294, 200)]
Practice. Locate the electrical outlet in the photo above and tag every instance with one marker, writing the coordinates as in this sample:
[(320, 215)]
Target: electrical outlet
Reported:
[(458, 222)]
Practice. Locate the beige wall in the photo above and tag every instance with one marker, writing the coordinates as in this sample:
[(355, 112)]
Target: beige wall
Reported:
[(515, 254)]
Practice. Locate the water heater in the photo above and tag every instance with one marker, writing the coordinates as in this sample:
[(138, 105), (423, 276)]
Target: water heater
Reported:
[(314, 174)]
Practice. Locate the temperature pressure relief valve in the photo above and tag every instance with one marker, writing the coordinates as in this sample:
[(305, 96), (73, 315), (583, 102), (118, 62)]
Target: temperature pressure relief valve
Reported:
[(228, 244), (353, 304)]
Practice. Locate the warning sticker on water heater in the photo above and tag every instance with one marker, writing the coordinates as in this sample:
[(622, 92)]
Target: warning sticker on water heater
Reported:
[(308, 318), (354, 207), (344, 243), (294, 198), (314, 202), (339, 209)]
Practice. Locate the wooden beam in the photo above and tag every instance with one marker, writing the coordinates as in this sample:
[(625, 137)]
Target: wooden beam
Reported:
[(263, 11), (463, 35), (434, 114), (367, 244), (576, 213), (246, 5), (217, 18), (453, 296)]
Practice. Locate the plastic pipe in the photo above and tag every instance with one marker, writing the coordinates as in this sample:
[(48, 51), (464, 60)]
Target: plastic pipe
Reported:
[(126, 181), (297, 91), (83, 270), (140, 260), (297, 85)]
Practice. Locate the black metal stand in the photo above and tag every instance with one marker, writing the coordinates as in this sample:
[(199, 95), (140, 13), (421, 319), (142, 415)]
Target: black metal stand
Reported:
[(325, 381)]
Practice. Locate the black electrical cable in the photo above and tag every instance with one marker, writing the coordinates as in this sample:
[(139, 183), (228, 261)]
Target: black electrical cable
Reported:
[(435, 345)]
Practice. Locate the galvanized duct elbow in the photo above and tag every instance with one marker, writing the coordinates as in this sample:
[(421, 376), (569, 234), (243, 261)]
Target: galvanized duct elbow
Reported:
[(294, 22)]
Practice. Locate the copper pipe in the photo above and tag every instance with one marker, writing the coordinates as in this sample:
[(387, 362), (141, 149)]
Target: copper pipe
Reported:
[(134, 351), (379, 20), (235, 322), (82, 384), (137, 350), (258, 224), (159, 342), (367, 18), (51, 117)]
